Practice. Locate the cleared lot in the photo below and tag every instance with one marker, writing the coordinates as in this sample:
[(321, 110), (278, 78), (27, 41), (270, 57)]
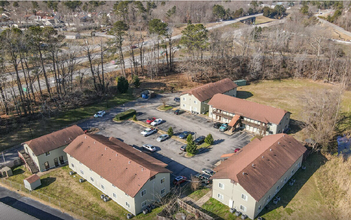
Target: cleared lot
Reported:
[(169, 150)]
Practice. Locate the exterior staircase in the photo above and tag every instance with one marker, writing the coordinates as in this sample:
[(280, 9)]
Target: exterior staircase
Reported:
[(28, 162)]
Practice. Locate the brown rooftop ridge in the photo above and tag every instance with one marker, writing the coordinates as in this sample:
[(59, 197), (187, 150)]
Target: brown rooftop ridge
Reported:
[(272, 157), (205, 92), (54, 140), (122, 165), (32, 178), (252, 110)]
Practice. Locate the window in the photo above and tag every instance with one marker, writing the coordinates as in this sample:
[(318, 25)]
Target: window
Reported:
[(80, 162), (127, 204), (113, 185), (278, 187), (126, 194), (151, 178), (102, 187), (72, 165), (92, 179), (220, 196), (243, 208), (143, 204), (269, 197), (285, 179), (33, 154), (259, 208), (221, 185), (299, 164), (163, 191), (47, 153), (101, 177), (184, 105), (89, 169), (195, 102), (163, 180), (183, 98), (81, 171), (143, 193), (195, 109), (244, 197), (114, 195), (292, 171)]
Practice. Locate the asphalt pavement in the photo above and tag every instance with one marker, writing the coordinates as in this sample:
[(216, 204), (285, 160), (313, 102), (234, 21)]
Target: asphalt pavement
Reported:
[(30, 206)]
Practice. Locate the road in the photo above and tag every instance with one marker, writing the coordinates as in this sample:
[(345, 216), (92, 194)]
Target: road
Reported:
[(108, 66), (30, 206), (336, 27)]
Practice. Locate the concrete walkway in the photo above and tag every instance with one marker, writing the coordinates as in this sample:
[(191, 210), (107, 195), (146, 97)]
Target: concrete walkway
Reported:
[(204, 199)]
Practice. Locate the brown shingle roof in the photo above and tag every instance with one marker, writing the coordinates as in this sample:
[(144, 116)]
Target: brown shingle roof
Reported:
[(120, 164), (247, 109), (205, 92), (261, 163), (32, 178), (54, 140)]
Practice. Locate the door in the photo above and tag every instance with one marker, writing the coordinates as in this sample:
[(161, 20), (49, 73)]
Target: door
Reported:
[(56, 162), (231, 203), (46, 164), (61, 160)]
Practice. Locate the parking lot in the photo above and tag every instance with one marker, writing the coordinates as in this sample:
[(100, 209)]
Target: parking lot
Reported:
[(169, 151)]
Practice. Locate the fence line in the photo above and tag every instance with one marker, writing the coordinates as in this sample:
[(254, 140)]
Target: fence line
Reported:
[(63, 205)]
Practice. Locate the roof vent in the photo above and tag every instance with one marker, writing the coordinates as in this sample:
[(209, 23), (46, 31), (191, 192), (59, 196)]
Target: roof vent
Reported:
[(128, 162), (278, 142), (94, 142), (85, 137), (283, 135), (142, 169), (116, 155), (244, 173), (270, 149), (253, 165), (69, 138), (105, 148), (102, 154), (262, 156)]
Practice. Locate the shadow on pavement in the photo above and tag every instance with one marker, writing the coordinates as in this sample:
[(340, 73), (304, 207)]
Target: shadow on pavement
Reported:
[(30, 210)]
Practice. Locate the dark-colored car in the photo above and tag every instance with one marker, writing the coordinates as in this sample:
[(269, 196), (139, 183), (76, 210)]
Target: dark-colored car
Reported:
[(176, 99), (199, 140), (184, 134), (217, 125), (208, 171), (203, 178), (183, 148), (178, 112)]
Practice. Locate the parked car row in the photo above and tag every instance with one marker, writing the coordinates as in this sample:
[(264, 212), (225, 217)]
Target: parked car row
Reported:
[(221, 126)]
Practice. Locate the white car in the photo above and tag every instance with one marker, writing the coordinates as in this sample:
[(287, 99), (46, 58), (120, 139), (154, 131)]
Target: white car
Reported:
[(157, 122), (99, 114), (149, 147), (148, 131)]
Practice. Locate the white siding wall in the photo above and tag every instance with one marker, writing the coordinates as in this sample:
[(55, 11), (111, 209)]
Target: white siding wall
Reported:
[(234, 192), (190, 103), (41, 159), (153, 187)]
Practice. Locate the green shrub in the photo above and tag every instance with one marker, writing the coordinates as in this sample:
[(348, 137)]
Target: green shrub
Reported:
[(191, 147), (170, 131), (136, 81), (125, 115), (189, 138), (134, 118), (122, 84), (209, 139)]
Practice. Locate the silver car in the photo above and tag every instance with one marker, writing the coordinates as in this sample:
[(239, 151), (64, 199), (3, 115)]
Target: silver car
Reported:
[(162, 137), (149, 147)]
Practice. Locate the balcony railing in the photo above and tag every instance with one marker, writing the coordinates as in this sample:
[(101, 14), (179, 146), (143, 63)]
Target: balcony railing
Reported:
[(260, 126), (218, 113)]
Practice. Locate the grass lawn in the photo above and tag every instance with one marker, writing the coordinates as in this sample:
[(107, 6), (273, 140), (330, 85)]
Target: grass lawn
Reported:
[(196, 195), (48, 125), (262, 19), (218, 210), (60, 186), (164, 108), (285, 94), (203, 145)]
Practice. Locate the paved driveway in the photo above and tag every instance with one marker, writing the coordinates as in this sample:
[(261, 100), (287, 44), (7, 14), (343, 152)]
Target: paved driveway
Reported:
[(169, 150)]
